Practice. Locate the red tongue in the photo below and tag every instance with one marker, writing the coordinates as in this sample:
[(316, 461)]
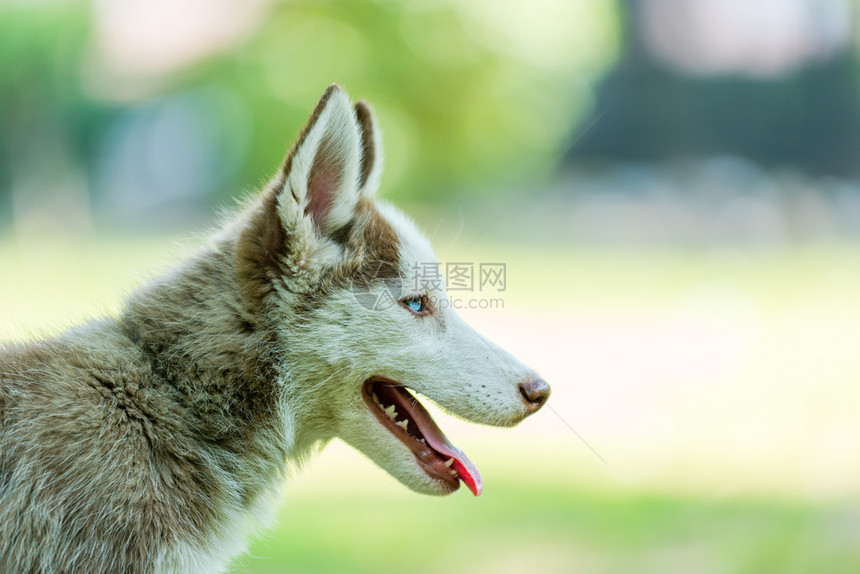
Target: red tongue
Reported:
[(465, 468)]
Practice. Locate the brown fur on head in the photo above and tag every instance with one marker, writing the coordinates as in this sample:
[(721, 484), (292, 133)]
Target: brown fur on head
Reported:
[(262, 252)]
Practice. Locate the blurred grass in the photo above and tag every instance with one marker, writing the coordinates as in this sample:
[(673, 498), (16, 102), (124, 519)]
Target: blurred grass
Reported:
[(757, 470), (97, 273), (530, 526)]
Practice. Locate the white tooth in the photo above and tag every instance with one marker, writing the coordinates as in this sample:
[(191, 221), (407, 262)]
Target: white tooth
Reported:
[(375, 399), (453, 472), (392, 414), (403, 424), (449, 462)]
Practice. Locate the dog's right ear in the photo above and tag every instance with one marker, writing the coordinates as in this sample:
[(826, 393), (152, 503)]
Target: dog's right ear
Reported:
[(293, 229), (371, 148)]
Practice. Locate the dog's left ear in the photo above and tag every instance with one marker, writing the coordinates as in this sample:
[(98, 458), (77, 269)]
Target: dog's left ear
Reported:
[(295, 229), (323, 170)]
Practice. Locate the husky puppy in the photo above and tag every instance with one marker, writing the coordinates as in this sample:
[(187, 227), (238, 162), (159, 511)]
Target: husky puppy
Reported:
[(151, 441)]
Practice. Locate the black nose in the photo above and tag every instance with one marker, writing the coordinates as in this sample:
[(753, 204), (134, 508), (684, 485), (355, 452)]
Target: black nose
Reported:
[(535, 392)]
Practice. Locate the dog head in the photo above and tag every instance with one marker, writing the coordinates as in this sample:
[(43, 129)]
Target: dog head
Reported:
[(333, 268)]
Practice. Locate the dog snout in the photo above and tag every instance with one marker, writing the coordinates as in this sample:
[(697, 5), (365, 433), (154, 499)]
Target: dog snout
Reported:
[(535, 392)]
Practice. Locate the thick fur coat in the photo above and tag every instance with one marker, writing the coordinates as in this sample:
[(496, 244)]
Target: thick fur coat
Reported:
[(152, 441)]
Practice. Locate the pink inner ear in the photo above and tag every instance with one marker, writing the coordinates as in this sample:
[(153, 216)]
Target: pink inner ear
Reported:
[(323, 181)]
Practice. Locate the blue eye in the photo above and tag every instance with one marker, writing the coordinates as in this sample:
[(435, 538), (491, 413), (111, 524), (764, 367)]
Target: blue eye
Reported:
[(414, 304)]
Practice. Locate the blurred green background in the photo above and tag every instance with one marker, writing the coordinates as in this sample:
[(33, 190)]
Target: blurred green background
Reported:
[(673, 188)]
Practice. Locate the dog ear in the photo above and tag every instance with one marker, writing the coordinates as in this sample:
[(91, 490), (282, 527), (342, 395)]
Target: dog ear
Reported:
[(292, 229), (371, 147), (322, 171)]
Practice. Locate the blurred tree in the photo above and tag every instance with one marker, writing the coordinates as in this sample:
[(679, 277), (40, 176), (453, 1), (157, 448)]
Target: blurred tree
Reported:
[(680, 92), (469, 94), (456, 109), (42, 105)]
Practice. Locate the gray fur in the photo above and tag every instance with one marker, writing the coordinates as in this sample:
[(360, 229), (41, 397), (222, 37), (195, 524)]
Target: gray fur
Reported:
[(153, 441)]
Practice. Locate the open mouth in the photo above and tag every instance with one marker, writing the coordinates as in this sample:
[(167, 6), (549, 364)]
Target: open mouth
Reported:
[(400, 412)]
